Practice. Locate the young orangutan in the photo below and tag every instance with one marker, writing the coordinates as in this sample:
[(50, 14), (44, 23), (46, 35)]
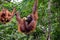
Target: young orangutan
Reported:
[(27, 25), (5, 15)]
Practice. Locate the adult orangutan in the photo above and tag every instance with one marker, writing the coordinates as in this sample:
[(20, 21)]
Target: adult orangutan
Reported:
[(27, 25), (5, 15)]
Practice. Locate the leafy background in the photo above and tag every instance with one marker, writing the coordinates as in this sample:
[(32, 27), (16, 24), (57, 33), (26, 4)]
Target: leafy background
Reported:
[(9, 31)]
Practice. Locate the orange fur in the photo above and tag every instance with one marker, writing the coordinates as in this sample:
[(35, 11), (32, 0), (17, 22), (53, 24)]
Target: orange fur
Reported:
[(5, 15), (23, 25)]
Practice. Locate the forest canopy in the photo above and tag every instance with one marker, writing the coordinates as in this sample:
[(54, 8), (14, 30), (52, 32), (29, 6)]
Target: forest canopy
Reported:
[(45, 22)]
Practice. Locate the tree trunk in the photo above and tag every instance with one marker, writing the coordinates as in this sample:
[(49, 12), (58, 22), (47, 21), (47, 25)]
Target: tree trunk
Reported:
[(49, 20)]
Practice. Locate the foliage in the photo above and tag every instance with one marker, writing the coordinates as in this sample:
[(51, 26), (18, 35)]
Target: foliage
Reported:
[(9, 31)]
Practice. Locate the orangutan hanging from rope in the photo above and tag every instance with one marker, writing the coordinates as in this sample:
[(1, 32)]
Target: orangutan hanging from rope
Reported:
[(5, 15), (27, 25)]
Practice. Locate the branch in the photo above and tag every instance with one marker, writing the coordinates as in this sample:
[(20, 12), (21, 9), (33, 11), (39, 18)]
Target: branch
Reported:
[(49, 19)]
